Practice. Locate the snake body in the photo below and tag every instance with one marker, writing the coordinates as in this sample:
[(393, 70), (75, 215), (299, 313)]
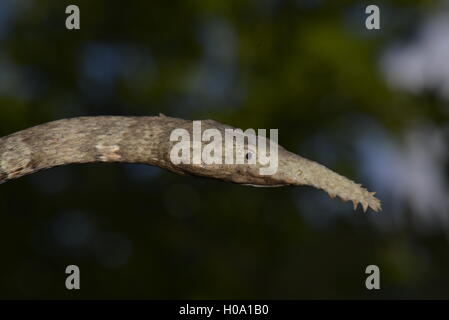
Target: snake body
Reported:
[(147, 140)]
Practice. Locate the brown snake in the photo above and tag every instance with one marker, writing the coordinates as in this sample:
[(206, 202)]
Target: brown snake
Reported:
[(147, 140)]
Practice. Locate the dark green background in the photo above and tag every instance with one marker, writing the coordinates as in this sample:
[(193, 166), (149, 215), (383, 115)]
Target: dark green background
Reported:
[(308, 68)]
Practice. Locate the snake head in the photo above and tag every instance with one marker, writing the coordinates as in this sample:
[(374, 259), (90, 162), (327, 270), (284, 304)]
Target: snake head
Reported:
[(253, 159)]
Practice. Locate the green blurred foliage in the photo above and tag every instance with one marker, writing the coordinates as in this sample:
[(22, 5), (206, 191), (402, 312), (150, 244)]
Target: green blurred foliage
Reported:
[(301, 66)]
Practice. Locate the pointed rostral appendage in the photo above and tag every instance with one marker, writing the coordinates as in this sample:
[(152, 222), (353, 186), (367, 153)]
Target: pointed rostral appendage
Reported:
[(148, 140), (296, 170)]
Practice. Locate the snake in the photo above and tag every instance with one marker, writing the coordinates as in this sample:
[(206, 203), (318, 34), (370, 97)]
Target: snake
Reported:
[(147, 140)]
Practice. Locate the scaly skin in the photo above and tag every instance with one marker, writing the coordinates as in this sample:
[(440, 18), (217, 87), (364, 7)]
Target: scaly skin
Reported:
[(146, 140)]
